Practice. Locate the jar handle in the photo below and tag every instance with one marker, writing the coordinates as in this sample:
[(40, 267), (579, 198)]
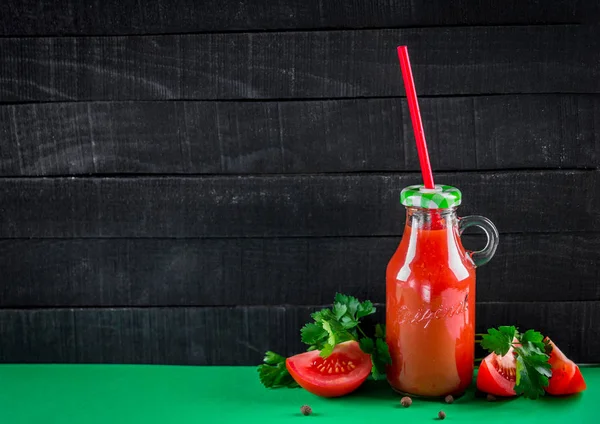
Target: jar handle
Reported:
[(483, 256)]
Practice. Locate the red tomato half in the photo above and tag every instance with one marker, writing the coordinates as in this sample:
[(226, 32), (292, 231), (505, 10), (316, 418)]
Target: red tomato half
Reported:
[(566, 377), (497, 374), (340, 373)]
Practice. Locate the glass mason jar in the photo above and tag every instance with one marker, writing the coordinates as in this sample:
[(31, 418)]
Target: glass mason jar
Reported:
[(430, 295)]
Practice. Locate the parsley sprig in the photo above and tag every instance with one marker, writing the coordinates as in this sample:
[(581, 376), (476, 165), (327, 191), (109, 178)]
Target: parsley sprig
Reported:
[(273, 372), (330, 327), (341, 323), (531, 354)]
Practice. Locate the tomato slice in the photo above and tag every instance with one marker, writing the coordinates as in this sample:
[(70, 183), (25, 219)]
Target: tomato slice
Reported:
[(577, 384), (497, 374), (566, 377), (340, 373)]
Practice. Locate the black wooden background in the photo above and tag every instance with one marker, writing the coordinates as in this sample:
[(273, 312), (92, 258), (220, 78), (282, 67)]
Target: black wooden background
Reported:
[(182, 182)]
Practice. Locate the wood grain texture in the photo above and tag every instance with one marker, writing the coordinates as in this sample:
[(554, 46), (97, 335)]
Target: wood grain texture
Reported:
[(326, 64), (223, 272), (268, 206), (70, 17), (470, 133), (237, 335)]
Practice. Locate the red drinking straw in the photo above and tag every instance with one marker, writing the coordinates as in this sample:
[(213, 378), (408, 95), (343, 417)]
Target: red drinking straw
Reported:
[(415, 116)]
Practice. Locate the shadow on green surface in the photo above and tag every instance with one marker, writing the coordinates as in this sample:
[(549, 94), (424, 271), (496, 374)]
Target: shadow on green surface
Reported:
[(379, 391), (313, 415)]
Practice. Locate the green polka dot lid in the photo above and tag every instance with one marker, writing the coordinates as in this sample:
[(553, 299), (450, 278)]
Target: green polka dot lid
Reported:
[(440, 197)]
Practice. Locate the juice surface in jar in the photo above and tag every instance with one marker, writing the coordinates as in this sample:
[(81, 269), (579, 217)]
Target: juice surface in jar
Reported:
[(430, 304)]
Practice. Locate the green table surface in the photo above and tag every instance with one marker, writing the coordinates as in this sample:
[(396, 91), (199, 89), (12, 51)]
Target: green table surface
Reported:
[(84, 394)]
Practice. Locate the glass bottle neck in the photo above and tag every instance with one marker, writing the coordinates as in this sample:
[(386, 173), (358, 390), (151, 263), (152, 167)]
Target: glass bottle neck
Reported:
[(431, 219)]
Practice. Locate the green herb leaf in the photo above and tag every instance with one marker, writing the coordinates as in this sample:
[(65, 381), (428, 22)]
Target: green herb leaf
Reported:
[(383, 352), (377, 372), (336, 334), (533, 371), (367, 345), (327, 350), (533, 337), (339, 310), (499, 340), (348, 323), (313, 334), (341, 298), (380, 331), (331, 339), (344, 308), (272, 358), (380, 358), (364, 309), (351, 303), (322, 315), (273, 373)]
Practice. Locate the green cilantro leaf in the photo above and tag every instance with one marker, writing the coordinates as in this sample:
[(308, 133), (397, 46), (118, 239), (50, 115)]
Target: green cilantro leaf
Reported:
[(364, 309), (350, 302), (348, 323), (383, 351), (380, 331), (533, 337), (331, 339), (341, 298), (313, 334), (339, 310), (322, 315), (336, 334), (327, 350), (377, 372), (272, 358), (367, 345), (499, 340), (533, 371), (380, 358), (345, 309), (273, 373)]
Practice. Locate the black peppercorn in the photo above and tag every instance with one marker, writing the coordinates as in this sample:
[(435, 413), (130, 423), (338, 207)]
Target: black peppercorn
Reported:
[(306, 410)]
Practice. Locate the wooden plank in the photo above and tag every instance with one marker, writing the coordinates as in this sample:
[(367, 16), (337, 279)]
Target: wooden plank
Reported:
[(218, 272), (464, 133), (237, 335), (68, 17), (268, 206), (326, 64)]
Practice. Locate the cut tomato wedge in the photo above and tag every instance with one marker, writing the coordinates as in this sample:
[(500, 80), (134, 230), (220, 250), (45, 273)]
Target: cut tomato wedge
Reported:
[(340, 373), (566, 377), (497, 374)]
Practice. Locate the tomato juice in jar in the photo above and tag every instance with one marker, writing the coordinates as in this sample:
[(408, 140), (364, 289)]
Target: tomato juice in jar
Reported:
[(430, 295)]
